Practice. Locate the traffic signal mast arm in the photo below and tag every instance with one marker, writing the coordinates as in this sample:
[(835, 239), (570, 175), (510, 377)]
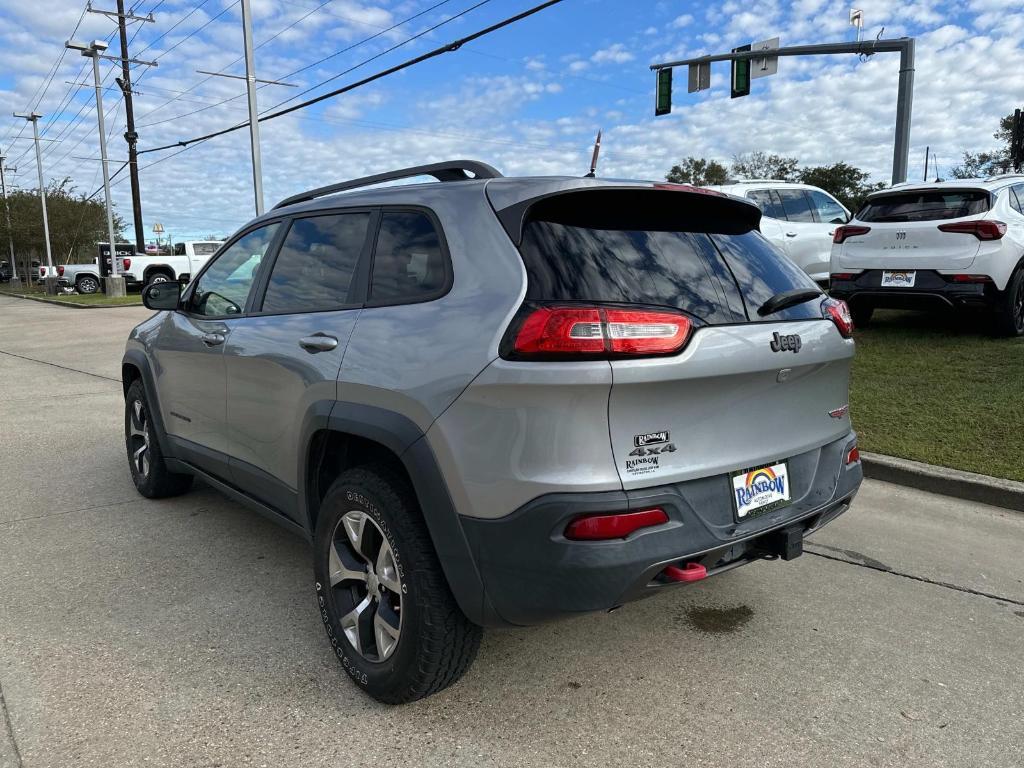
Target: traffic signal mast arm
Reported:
[(904, 98)]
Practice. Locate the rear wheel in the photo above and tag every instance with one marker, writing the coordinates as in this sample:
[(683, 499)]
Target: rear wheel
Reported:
[(861, 315), (145, 461), (87, 284), (383, 597), (1009, 318)]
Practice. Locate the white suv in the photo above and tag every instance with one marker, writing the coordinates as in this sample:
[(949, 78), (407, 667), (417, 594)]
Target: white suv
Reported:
[(945, 244), (798, 219)]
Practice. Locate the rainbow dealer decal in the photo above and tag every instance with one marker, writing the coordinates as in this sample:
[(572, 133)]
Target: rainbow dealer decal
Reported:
[(760, 489)]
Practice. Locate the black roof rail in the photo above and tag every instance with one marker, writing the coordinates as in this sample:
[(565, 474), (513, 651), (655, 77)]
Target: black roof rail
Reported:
[(451, 170)]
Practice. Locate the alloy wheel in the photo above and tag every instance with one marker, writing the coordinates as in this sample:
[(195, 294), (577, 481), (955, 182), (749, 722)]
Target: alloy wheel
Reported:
[(138, 438), (366, 587)]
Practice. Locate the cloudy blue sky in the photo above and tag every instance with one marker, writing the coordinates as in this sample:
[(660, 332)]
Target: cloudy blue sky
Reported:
[(527, 99)]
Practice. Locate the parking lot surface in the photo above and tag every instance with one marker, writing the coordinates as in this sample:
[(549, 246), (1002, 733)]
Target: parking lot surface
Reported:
[(183, 632)]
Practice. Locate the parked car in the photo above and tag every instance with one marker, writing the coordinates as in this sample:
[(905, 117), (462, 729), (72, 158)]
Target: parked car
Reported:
[(187, 259), (798, 219), (498, 401), (956, 244), (85, 278), (5, 272)]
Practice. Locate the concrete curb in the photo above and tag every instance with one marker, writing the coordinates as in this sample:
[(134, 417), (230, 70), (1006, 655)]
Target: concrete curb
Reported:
[(68, 304), (1008, 494)]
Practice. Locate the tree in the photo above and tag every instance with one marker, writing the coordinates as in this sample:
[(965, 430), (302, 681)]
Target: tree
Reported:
[(761, 165), (975, 165), (844, 182), (699, 172), (76, 225)]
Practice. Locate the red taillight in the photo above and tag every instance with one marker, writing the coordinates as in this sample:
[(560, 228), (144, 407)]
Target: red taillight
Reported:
[(600, 331), (853, 455), (60, 270), (983, 229), (839, 312), (848, 230), (615, 526), (843, 275), (970, 278), (127, 262)]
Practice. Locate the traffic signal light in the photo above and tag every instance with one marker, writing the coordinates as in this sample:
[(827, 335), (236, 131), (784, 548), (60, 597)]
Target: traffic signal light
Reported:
[(740, 74), (663, 93)]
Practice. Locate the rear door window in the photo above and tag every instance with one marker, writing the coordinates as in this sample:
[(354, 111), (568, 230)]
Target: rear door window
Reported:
[(1016, 193), (318, 258), (796, 204), (761, 271), (925, 205), (768, 202)]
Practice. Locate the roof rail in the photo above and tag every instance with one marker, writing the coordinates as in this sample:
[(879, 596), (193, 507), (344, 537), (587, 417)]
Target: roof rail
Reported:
[(451, 170)]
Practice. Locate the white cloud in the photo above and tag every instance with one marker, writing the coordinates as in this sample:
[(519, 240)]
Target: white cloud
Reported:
[(614, 54)]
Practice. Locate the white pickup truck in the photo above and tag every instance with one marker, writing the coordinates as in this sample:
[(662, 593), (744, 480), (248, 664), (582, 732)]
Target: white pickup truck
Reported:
[(187, 259)]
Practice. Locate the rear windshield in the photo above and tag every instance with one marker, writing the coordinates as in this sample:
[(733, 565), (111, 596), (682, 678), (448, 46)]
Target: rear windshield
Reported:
[(925, 205), (717, 278)]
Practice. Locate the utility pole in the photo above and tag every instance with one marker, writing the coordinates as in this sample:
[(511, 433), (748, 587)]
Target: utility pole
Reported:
[(904, 95), (15, 280), (114, 282), (125, 83), (254, 123), (51, 273)]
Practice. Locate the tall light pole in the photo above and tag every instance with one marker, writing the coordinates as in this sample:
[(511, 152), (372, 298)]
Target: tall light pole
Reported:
[(15, 279), (114, 283), (254, 124), (51, 273)]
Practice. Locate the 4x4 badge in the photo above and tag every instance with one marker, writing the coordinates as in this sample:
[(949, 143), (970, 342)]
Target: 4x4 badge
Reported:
[(789, 343)]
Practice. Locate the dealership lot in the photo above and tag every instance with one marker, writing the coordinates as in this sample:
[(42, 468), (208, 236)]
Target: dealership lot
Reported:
[(183, 632)]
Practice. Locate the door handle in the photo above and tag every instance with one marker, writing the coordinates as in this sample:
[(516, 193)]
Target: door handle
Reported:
[(213, 339), (318, 342), (791, 234)]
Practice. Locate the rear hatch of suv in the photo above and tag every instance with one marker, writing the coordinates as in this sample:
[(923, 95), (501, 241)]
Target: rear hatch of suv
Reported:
[(735, 390), (901, 231)]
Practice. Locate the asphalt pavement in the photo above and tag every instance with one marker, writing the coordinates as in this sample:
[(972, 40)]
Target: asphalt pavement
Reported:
[(183, 632)]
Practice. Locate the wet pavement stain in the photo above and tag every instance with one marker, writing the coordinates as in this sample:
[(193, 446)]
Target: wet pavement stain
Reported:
[(719, 621)]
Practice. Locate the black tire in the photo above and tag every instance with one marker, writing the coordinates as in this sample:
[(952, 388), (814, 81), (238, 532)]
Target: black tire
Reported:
[(149, 473), (158, 277), (1009, 315), (436, 643), (87, 284), (861, 315)]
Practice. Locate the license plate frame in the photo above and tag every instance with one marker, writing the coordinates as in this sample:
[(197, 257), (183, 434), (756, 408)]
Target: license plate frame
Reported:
[(899, 278), (761, 474)]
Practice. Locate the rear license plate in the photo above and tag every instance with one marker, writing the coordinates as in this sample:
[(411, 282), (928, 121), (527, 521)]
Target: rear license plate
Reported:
[(898, 279), (760, 490)]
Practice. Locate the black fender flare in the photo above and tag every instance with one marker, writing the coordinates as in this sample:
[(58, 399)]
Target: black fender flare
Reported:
[(137, 359), (408, 442)]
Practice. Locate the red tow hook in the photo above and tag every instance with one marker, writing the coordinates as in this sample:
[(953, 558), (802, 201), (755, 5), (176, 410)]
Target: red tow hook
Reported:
[(689, 572)]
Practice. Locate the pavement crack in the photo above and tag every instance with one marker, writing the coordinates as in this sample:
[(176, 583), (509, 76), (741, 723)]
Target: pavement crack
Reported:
[(62, 367), (874, 565), (67, 512), (9, 728)]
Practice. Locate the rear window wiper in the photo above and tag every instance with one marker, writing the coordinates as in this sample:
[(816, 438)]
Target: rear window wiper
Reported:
[(785, 299)]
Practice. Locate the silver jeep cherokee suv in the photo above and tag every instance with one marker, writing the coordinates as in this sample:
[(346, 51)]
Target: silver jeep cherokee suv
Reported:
[(495, 401)]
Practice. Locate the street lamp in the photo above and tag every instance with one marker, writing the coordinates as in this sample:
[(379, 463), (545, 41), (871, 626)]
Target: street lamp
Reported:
[(114, 283), (51, 273)]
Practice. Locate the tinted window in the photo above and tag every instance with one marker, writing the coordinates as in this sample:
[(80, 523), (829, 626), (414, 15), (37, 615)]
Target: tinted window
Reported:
[(796, 204), (636, 266), (1017, 197), (204, 249), (925, 205), (223, 288), (408, 263), (767, 202), (761, 271), (827, 209), (315, 266), (179, 249)]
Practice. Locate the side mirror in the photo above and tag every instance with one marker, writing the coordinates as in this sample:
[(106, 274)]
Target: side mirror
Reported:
[(159, 296)]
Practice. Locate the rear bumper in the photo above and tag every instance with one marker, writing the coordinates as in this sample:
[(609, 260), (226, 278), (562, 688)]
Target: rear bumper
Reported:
[(931, 291), (532, 573)]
